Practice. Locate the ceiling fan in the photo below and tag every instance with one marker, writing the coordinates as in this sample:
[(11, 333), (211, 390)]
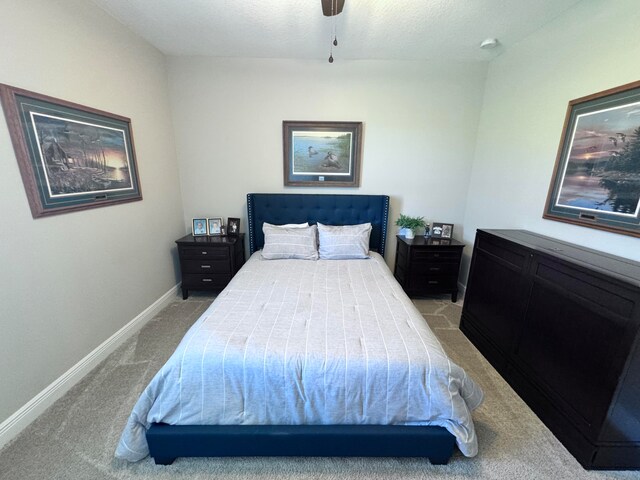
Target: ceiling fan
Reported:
[(332, 7)]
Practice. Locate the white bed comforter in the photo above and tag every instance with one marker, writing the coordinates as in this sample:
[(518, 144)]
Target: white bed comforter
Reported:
[(308, 342)]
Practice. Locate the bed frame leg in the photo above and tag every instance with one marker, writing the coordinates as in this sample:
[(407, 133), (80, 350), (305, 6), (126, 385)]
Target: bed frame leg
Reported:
[(164, 460), (439, 460)]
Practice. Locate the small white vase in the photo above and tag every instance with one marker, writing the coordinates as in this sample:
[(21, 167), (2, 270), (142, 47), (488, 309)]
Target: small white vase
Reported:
[(408, 233)]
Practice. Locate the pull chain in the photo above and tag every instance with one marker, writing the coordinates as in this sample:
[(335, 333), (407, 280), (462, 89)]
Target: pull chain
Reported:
[(334, 7)]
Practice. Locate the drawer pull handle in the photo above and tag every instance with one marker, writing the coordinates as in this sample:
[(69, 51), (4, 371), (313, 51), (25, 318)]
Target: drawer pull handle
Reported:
[(433, 282), (205, 266), (207, 280), (436, 254), (434, 269), (204, 252)]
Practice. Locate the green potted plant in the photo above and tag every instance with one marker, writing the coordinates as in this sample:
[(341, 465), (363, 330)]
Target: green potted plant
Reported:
[(409, 225)]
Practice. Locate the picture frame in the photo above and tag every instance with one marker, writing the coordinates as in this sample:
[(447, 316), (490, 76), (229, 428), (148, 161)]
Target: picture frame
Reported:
[(214, 226), (233, 226), (596, 177), (439, 241), (442, 230), (198, 227), (322, 154), (71, 157)]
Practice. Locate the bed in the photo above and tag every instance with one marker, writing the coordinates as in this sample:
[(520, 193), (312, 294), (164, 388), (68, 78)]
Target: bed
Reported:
[(312, 358)]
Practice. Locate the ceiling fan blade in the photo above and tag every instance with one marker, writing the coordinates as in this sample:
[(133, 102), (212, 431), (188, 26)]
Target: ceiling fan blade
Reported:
[(332, 7)]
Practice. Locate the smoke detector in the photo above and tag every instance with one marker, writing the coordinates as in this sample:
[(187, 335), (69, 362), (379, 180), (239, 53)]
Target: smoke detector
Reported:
[(489, 43)]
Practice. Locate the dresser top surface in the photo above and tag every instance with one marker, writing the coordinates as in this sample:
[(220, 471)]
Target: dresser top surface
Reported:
[(624, 268)]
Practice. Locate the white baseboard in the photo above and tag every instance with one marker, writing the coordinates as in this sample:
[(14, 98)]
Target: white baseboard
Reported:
[(13, 425)]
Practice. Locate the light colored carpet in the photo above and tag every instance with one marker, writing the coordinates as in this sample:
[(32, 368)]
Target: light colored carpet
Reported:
[(76, 437)]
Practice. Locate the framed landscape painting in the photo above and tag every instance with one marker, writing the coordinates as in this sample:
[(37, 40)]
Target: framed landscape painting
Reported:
[(322, 154), (596, 179), (71, 157)]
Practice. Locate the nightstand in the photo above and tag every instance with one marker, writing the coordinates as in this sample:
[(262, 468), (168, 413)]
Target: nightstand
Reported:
[(428, 265), (209, 263)]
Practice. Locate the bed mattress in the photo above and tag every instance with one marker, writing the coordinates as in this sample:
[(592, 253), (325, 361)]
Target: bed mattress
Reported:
[(292, 342)]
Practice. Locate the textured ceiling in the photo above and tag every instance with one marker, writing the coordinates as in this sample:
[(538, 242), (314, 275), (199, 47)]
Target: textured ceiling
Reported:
[(366, 29)]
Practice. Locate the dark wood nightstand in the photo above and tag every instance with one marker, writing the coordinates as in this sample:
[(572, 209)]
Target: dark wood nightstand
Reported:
[(428, 265), (209, 263)]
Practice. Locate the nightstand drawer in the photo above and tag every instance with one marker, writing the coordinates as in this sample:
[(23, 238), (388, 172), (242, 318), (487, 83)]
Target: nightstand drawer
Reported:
[(422, 281), (207, 266), (204, 252), (418, 255), (191, 280), (440, 269)]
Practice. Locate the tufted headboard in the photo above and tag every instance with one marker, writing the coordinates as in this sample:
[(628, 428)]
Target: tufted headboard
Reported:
[(281, 208)]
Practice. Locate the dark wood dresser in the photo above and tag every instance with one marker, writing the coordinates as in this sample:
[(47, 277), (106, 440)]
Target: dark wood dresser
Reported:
[(560, 323), (209, 262), (428, 265)]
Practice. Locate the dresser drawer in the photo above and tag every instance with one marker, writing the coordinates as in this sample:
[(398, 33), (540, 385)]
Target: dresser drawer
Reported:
[(196, 281), (423, 256), (204, 252), (207, 266)]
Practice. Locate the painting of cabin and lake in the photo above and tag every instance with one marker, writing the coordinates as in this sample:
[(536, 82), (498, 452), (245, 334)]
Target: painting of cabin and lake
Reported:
[(80, 157), (71, 157), (602, 172)]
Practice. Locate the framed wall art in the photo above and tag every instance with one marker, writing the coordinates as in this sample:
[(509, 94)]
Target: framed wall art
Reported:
[(71, 157), (596, 178), (322, 154)]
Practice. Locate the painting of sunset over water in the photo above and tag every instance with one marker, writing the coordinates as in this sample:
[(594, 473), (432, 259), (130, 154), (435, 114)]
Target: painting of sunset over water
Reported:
[(602, 172)]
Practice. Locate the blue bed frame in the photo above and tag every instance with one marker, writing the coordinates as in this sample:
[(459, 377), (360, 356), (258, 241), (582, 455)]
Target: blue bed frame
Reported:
[(282, 208), (167, 442)]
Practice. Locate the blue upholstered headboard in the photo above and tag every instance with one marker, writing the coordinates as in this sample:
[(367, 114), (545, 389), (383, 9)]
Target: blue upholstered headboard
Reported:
[(281, 208)]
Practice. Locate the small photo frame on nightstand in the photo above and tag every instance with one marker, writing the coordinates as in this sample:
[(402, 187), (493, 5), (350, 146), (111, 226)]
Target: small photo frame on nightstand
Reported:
[(214, 225), (233, 226), (442, 230), (199, 226)]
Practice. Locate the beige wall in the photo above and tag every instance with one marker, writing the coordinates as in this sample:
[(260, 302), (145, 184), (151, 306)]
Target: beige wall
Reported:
[(420, 122), (592, 47), (68, 282)]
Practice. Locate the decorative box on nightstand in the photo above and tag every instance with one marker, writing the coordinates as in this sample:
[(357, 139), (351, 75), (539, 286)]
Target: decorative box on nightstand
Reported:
[(428, 265), (209, 263)]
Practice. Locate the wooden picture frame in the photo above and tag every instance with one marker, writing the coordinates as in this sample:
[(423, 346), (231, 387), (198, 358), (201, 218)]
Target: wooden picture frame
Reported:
[(442, 230), (596, 177), (71, 157), (233, 226), (214, 226), (322, 154)]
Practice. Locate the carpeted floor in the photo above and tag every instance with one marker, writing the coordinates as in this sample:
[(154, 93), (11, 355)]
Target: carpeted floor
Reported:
[(76, 437)]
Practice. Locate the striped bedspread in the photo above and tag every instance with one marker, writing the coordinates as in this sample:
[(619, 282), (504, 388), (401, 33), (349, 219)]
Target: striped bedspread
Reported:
[(308, 342)]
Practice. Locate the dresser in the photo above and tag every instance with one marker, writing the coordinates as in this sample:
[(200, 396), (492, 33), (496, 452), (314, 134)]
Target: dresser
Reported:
[(209, 262), (425, 266), (560, 323)]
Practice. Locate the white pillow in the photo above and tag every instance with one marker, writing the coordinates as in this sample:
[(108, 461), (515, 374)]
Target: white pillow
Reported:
[(344, 241), (295, 242), (288, 225)]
